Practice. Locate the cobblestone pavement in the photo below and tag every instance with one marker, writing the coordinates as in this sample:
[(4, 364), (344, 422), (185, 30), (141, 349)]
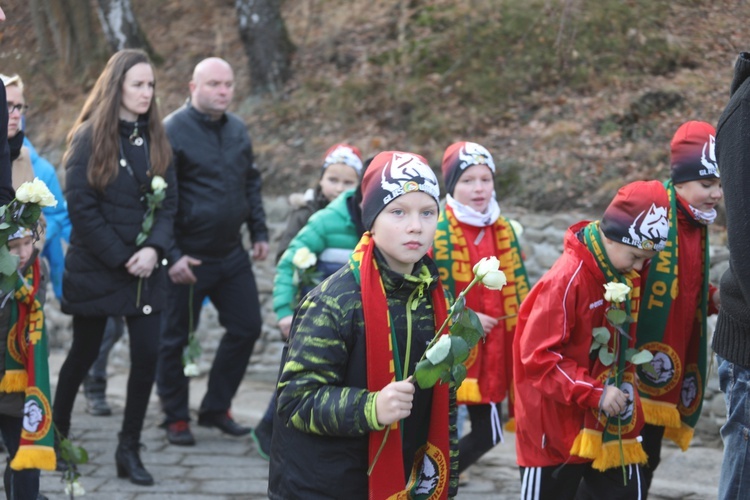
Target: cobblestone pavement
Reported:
[(221, 467)]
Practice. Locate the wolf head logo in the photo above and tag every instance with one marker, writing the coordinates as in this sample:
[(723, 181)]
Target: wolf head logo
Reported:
[(404, 173), (428, 477), (708, 157), (650, 231), (474, 154)]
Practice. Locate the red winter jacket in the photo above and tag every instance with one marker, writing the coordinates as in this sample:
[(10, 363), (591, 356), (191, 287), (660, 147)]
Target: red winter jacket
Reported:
[(553, 385)]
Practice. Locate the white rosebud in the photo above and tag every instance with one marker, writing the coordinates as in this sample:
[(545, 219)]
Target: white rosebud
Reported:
[(158, 184), (486, 265), (517, 227), (75, 488), (191, 370), (304, 258), (616, 292)]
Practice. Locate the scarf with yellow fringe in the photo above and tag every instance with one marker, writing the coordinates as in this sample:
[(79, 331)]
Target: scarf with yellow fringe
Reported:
[(430, 476), (672, 394), (613, 441), (487, 380), (27, 371)]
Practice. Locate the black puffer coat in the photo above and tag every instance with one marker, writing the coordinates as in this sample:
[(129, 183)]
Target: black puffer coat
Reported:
[(105, 226)]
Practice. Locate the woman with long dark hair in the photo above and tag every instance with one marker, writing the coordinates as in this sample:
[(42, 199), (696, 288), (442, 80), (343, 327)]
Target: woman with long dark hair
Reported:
[(117, 159)]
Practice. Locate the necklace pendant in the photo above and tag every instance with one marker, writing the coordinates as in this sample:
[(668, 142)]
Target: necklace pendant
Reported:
[(123, 162), (136, 141)]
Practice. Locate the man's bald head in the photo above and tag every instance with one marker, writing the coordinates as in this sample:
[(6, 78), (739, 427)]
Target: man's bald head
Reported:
[(212, 87)]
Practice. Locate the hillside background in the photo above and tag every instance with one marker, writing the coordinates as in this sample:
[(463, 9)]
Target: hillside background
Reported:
[(572, 97)]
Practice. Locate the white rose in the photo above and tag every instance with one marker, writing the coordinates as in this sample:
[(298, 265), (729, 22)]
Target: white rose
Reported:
[(488, 271), (494, 280), (75, 488), (616, 292), (304, 258), (158, 184), (517, 227), (486, 265), (36, 191), (191, 370), (23, 193)]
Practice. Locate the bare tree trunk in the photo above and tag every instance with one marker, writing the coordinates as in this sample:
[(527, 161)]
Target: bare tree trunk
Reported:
[(74, 37), (267, 44), (120, 26)]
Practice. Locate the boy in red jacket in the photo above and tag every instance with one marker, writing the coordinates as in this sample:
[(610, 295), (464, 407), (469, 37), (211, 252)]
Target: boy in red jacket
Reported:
[(572, 409), (673, 325)]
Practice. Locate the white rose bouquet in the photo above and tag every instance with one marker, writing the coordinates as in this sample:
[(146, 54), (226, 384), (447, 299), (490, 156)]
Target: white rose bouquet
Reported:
[(22, 212)]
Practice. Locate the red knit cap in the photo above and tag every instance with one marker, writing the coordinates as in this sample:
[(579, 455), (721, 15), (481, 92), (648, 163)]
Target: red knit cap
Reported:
[(693, 155), (638, 216), (391, 174), (461, 155), (346, 154)]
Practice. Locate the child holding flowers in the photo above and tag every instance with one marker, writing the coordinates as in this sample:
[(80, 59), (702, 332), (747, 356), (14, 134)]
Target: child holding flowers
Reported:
[(470, 227), (346, 380), (578, 417), (672, 326), (341, 171)]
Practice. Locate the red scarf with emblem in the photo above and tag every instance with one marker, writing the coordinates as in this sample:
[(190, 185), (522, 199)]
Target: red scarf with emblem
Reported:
[(387, 479)]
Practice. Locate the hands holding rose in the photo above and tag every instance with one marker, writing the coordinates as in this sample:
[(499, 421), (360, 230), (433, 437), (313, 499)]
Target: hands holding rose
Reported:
[(394, 401), (142, 263)]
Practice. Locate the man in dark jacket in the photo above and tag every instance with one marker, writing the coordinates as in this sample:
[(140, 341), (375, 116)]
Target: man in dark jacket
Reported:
[(731, 339), (219, 190)]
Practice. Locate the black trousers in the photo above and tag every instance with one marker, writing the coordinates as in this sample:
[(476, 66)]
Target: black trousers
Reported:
[(580, 482), (230, 284), (144, 332), (19, 484), (479, 441), (652, 438)]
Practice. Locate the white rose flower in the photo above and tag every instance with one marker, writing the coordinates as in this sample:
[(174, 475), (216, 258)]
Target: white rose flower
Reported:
[(191, 370), (304, 258), (494, 280), (158, 184), (75, 488), (486, 265), (517, 227), (36, 191), (616, 292), (488, 271)]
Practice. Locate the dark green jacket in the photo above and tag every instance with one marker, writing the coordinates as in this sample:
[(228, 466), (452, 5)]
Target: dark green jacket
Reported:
[(325, 412)]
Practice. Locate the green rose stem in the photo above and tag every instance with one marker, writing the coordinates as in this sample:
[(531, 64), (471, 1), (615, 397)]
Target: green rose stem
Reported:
[(450, 316), (138, 293)]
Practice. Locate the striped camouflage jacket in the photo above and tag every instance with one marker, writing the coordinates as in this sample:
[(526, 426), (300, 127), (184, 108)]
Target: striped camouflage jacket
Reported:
[(325, 412)]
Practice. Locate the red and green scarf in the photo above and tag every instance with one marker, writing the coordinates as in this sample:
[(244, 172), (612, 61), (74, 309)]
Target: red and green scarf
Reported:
[(455, 259), (601, 437), (27, 371), (674, 396), (387, 478)]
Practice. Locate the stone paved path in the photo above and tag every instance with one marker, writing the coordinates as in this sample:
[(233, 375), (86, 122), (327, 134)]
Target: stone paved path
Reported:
[(220, 467)]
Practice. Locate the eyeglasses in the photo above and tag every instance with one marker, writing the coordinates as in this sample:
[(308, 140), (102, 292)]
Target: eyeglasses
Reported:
[(21, 108)]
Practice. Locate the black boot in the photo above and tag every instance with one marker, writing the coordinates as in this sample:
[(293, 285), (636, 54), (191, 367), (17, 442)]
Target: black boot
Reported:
[(95, 389), (128, 461)]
